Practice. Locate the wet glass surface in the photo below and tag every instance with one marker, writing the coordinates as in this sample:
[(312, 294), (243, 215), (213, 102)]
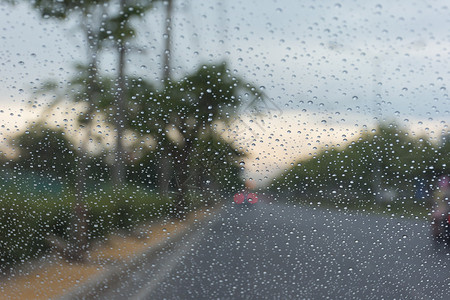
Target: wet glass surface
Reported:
[(224, 149)]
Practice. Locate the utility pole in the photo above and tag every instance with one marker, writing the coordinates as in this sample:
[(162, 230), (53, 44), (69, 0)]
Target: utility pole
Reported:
[(165, 162), (167, 44), (118, 169)]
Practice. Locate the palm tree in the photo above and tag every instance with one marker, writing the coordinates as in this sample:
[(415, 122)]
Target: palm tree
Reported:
[(119, 28), (183, 117), (86, 87)]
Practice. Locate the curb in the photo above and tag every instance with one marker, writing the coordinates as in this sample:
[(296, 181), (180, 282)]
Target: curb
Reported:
[(113, 274)]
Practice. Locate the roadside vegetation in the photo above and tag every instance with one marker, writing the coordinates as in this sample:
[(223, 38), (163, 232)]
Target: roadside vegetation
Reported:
[(387, 170), (29, 218), (132, 145)]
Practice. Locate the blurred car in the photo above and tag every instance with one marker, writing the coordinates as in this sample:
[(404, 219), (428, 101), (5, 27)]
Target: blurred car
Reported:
[(245, 198)]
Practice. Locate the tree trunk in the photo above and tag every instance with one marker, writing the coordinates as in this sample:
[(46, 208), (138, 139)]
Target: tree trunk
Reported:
[(75, 248), (182, 176), (165, 173), (180, 203)]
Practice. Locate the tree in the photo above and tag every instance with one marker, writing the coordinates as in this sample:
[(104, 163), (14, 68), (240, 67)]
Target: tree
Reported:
[(87, 91), (390, 153), (45, 150), (185, 115), (118, 28)]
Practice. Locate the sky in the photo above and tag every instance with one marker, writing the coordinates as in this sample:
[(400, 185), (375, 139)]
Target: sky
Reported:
[(341, 65)]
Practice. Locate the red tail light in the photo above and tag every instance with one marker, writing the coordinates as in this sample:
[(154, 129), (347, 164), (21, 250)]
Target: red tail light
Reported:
[(252, 198), (239, 198)]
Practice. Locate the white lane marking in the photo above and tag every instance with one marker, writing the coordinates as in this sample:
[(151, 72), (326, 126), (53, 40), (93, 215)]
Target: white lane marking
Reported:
[(171, 262)]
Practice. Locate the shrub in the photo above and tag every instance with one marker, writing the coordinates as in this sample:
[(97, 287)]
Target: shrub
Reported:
[(26, 219)]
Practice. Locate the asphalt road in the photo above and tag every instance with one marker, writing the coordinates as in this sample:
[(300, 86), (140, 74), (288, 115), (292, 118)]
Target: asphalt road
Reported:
[(275, 251)]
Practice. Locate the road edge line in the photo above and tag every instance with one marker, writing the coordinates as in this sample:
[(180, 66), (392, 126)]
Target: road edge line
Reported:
[(113, 274)]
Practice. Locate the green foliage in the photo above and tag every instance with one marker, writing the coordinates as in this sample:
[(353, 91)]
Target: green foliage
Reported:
[(208, 95), (142, 170), (26, 219), (390, 156), (190, 111), (216, 161), (192, 107), (61, 9), (112, 208), (45, 150), (118, 28)]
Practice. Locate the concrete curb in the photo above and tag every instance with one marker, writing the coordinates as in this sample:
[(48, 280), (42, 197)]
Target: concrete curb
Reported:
[(112, 275)]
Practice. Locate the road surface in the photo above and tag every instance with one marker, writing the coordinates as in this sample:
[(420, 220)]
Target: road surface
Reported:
[(276, 251)]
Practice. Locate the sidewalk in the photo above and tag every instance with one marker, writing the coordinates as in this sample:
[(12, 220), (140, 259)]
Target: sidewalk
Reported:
[(57, 277)]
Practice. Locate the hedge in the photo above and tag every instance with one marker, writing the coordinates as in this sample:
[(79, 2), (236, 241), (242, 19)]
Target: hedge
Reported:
[(27, 218)]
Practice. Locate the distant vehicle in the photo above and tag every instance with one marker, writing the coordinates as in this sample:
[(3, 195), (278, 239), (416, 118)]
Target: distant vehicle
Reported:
[(441, 230), (440, 217), (245, 198)]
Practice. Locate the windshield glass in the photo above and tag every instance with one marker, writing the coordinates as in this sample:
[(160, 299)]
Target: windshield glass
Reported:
[(224, 149)]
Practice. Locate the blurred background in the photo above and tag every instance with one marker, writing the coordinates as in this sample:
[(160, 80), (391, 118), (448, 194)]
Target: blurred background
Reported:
[(129, 110)]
